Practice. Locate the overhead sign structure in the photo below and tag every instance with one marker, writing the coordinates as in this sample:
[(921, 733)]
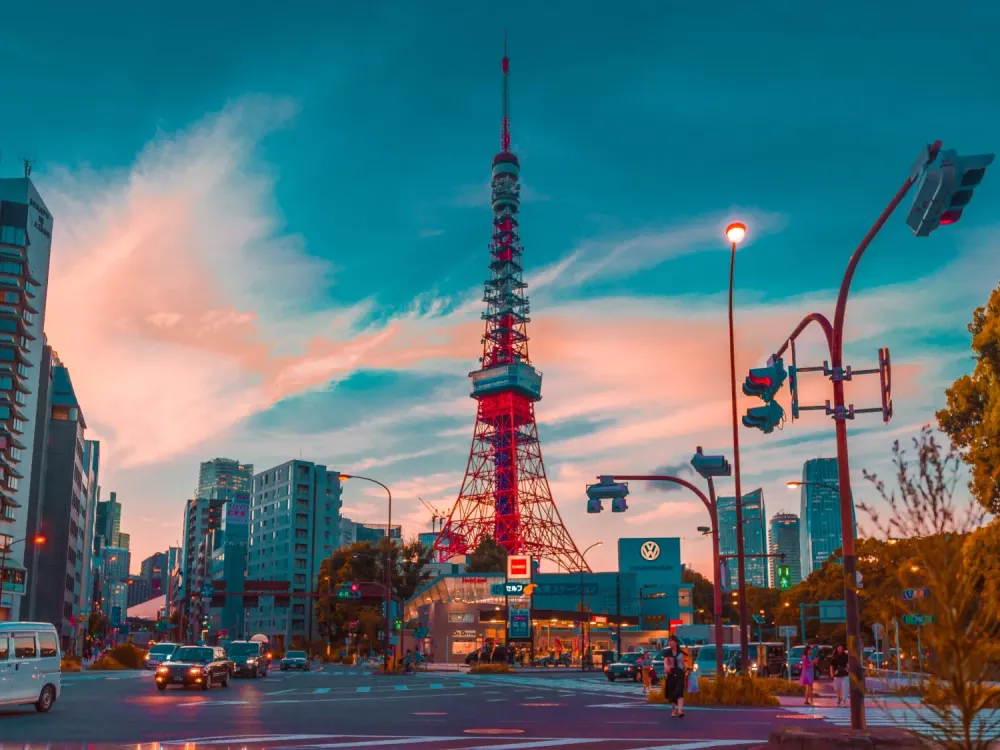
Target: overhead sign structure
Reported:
[(909, 594), (519, 566)]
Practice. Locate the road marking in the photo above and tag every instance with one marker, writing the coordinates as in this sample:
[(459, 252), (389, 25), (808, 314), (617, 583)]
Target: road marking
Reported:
[(370, 743), (279, 692), (321, 690), (365, 689), (401, 687), (532, 743), (495, 700), (436, 686), (533, 697), (348, 700), (215, 703), (702, 745), (466, 684)]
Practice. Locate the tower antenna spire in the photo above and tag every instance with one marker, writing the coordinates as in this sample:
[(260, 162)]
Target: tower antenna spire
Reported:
[(505, 122)]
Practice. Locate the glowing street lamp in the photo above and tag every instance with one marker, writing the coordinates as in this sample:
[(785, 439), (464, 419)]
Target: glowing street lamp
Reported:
[(736, 232), (38, 539)]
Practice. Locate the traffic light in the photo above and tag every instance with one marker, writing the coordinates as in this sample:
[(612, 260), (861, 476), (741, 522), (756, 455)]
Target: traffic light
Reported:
[(945, 189), (607, 489), (351, 590), (765, 418), (765, 382), (397, 625), (784, 577), (710, 466)]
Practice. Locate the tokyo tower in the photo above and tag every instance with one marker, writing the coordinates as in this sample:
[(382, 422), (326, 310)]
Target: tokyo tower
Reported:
[(505, 494)]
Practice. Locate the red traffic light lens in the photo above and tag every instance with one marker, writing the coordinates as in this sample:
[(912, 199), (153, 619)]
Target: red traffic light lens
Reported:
[(760, 379), (950, 217)]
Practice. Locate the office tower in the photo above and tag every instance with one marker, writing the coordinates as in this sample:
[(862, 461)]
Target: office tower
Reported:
[(153, 571), (58, 593), (25, 244), (754, 539), (91, 472), (113, 571), (201, 516), (225, 475), (820, 529), (41, 419), (785, 541), (138, 590), (352, 531), (295, 515), (109, 522)]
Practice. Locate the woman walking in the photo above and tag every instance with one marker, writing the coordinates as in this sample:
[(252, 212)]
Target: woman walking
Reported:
[(808, 674), (674, 663), (839, 672), (646, 666)]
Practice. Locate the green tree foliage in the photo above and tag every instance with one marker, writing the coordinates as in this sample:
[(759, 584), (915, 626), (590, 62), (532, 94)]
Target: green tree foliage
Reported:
[(972, 417), (488, 557), (950, 553)]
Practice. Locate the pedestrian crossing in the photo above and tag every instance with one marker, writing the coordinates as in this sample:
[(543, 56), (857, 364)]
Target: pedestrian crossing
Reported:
[(590, 685), (485, 738), (915, 718)]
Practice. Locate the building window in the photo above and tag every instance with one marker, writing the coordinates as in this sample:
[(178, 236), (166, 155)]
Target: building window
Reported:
[(13, 236)]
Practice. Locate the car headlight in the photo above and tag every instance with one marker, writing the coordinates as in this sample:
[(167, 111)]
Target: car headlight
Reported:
[(694, 668), (251, 662), (195, 670), (162, 670)]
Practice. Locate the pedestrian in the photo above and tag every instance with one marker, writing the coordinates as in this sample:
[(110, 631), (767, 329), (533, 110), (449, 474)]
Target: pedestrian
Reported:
[(646, 666), (808, 674), (675, 663), (839, 672)]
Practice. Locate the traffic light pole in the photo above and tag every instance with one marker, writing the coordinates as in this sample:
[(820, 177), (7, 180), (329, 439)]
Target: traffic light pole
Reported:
[(835, 340), (740, 563), (716, 558)]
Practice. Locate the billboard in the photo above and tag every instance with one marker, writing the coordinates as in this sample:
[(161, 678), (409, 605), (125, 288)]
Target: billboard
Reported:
[(237, 513), (519, 566)]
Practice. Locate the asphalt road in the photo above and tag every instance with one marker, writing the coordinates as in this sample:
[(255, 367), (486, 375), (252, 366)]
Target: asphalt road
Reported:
[(342, 707)]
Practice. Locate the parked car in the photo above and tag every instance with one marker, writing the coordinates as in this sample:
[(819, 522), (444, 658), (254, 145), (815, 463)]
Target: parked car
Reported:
[(822, 656), (29, 665), (768, 659), (488, 654), (625, 668), (704, 664), (551, 660), (249, 658), (195, 666), (295, 660), (160, 653)]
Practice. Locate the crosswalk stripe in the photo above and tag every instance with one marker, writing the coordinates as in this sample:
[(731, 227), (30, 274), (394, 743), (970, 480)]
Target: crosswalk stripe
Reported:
[(702, 745), (371, 743), (533, 743), (322, 690), (401, 687), (436, 685), (364, 689), (466, 684)]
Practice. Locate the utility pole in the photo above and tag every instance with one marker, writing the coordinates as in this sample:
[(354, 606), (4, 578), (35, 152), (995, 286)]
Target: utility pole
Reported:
[(618, 608)]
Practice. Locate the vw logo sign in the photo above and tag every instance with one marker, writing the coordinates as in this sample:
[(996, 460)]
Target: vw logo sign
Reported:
[(649, 551)]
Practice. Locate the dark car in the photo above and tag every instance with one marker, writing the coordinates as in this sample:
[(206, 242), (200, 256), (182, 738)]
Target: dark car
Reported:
[(295, 660), (821, 655), (488, 654), (626, 668), (198, 666), (249, 658), (551, 660), (160, 653)]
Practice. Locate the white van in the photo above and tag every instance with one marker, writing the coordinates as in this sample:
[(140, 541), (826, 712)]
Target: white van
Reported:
[(29, 664)]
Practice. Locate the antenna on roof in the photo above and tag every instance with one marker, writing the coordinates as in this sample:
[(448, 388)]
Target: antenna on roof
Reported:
[(28, 164)]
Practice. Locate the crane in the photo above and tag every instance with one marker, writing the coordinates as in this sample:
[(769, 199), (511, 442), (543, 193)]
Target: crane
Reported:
[(436, 515)]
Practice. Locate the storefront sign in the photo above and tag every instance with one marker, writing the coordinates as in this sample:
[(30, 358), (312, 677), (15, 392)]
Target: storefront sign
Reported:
[(477, 579), (598, 619), (519, 627), (518, 566), (463, 634)]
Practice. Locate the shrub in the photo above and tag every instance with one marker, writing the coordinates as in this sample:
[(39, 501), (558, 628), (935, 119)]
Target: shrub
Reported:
[(129, 656), (107, 662), (729, 691), (490, 669), (70, 664), (779, 686), (348, 659)]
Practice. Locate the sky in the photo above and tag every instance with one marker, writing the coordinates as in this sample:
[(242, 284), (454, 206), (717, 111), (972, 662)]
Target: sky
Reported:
[(271, 232)]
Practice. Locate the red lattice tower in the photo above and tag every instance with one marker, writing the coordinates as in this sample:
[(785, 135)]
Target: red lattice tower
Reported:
[(506, 494)]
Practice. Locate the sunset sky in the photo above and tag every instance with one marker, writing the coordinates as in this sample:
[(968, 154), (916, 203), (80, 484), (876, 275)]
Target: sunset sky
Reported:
[(271, 231)]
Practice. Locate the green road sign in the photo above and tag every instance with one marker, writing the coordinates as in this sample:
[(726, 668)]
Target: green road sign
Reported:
[(784, 577), (912, 619), (759, 619), (832, 611)]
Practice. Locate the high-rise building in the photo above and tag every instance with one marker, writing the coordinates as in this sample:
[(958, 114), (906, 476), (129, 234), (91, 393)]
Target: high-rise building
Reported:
[(113, 571), (785, 541), (58, 593), (153, 571), (754, 538), (41, 419), (201, 516), (91, 472), (25, 244), (138, 590), (226, 475), (820, 530), (109, 523), (294, 525)]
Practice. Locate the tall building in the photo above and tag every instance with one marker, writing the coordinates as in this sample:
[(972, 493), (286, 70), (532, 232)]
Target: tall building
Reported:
[(25, 244), (113, 571), (153, 571), (229, 547), (785, 541), (42, 418), (820, 530), (58, 593), (138, 590), (201, 516), (294, 525), (754, 538), (226, 475), (91, 472), (109, 523), (352, 531)]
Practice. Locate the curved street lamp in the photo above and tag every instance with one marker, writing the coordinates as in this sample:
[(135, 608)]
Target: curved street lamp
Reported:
[(388, 563), (38, 539), (584, 628)]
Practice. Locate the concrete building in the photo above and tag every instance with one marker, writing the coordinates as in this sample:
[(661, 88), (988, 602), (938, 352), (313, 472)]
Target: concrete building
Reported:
[(139, 590), (294, 525), (109, 523), (58, 593), (153, 570), (352, 531), (228, 547), (820, 530), (113, 571), (784, 540), (42, 419), (25, 243), (224, 477), (202, 515), (91, 472), (754, 539)]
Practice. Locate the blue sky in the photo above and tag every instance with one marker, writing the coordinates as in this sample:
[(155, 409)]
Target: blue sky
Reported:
[(271, 227)]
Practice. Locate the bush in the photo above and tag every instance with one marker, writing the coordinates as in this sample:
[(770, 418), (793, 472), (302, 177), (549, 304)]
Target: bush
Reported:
[(129, 656), (108, 663), (729, 691), (490, 669), (70, 664), (348, 659), (779, 686)]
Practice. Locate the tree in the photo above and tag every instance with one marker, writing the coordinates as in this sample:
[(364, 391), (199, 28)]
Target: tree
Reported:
[(972, 417), (411, 571), (488, 557), (952, 555)]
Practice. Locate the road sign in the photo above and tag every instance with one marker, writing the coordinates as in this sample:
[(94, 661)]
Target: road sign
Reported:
[(832, 611), (911, 619), (207, 589), (759, 619), (909, 594), (788, 631)]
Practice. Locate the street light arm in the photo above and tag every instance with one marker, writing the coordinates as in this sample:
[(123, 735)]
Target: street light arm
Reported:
[(821, 320), (367, 479)]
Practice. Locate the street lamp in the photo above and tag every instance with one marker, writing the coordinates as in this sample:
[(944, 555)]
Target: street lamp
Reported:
[(828, 485), (388, 563), (38, 539), (584, 627), (736, 233)]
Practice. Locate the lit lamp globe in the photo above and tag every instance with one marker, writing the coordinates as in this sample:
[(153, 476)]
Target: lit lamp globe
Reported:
[(735, 232)]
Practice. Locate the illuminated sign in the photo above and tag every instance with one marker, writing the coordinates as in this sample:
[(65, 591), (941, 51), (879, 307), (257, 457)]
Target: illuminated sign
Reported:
[(478, 579), (237, 513), (518, 566), (599, 620)]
